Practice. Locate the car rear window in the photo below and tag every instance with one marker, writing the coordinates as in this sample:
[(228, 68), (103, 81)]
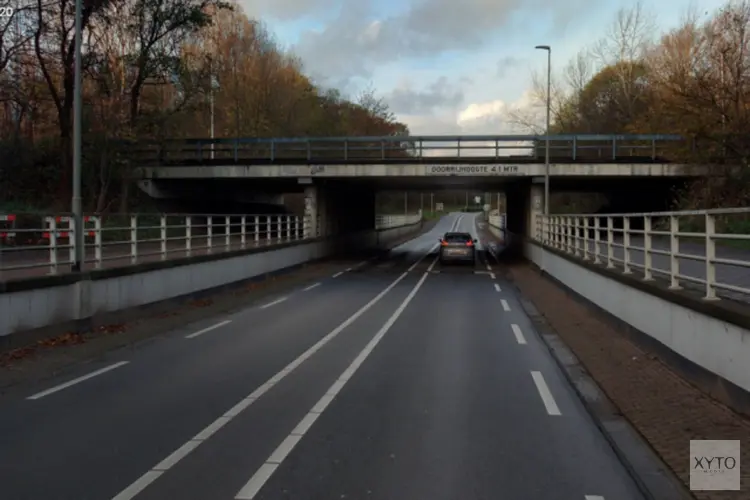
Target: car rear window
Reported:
[(457, 238)]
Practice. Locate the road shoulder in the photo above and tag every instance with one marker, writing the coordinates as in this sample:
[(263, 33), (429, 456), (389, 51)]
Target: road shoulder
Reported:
[(635, 396)]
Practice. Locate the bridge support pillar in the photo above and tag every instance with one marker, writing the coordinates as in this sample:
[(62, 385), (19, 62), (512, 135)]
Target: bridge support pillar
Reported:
[(310, 219), (534, 208)]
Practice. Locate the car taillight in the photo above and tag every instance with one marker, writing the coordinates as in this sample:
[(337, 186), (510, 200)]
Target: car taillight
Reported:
[(469, 243), (443, 243)]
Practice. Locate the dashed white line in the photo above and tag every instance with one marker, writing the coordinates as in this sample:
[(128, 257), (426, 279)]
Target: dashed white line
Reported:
[(311, 287), (277, 301), (544, 392), (593, 497), (256, 482), (338, 274), (506, 307), (208, 329), (489, 267), (149, 477), (492, 276), (349, 269), (497, 288), (518, 333), (78, 380)]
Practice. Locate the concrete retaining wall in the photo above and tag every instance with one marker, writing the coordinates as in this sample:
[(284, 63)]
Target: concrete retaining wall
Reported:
[(719, 347), (62, 299)]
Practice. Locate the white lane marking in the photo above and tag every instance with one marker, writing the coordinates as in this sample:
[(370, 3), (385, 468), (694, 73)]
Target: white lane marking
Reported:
[(338, 274), (497, 288), (75, 381), (492, 276), (489, 267), (349, 269), (256, 482), (432, 249), (518, 333), (506, 307), (141, 483), (544, 392), (208, 329), (311, 287), (138, 486), (593, 497), (277, 301)]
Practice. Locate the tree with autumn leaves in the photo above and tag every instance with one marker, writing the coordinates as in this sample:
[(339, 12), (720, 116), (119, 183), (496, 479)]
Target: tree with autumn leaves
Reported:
[(149, 67), (693, 80)]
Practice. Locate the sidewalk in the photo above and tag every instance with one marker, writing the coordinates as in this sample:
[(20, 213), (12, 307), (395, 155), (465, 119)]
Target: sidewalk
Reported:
[(662, 406)]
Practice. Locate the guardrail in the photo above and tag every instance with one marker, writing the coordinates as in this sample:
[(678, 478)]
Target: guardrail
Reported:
[(38, 244), (710, 248), (405, 149)]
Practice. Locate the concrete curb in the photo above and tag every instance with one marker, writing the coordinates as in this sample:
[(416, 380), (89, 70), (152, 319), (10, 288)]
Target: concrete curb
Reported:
[(653, 478)]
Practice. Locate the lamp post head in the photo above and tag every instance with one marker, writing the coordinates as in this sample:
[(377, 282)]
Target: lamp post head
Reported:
[(543, 47)]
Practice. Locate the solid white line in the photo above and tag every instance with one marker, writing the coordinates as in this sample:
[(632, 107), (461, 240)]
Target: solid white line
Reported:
[(212, 327), (544, 392), (593, 497), (518, 333), (138, 486), (256, 482), (492, 276), (141, 483), (277, 301), (338, 274), (506, 307), (75, 381), (497, 288), (311, 287)]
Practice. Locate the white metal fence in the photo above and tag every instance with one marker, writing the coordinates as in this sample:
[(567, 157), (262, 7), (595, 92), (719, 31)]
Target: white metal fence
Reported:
[(38, 244), (708, 248), (496, 219)]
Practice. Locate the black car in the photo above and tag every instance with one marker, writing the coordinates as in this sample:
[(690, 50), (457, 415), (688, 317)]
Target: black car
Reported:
[(458, 247)]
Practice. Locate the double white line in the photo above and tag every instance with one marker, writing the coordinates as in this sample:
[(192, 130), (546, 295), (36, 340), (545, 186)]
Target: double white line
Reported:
[(265, 471)]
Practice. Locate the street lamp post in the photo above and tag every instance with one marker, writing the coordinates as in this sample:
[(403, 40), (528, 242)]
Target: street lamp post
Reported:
[(547, 131), (76, 205)]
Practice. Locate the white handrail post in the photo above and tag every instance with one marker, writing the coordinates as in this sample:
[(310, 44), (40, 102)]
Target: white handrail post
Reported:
[(710, 258), (256, 231), (647, 247), (597, 240), (209, 233), (52, 222), (188, 235), (227, 233), (243, 222), (288, 227), (586, 238), (674, 250), (268, 229), (626, 245), (133, 238), (163, 239), (610, 242), (98, 242), (72, 241)]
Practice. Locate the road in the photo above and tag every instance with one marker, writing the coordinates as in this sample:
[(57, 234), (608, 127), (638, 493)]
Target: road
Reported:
[(395, 380)]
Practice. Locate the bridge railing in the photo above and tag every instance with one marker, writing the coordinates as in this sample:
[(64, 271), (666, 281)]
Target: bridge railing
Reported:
[(709, 249), (516, 148), (43, 244)]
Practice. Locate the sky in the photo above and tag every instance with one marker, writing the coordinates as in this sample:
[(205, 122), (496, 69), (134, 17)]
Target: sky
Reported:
[(448, 67)]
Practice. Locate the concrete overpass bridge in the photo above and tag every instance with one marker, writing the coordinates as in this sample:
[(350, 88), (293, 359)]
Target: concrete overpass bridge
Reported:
[(345, 174)]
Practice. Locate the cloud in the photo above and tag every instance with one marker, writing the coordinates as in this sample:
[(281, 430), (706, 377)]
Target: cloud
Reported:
[(506, 64), (359, 38), (439, 94)]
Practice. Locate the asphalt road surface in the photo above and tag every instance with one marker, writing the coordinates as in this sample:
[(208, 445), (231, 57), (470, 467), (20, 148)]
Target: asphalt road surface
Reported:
[(397, 380)]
